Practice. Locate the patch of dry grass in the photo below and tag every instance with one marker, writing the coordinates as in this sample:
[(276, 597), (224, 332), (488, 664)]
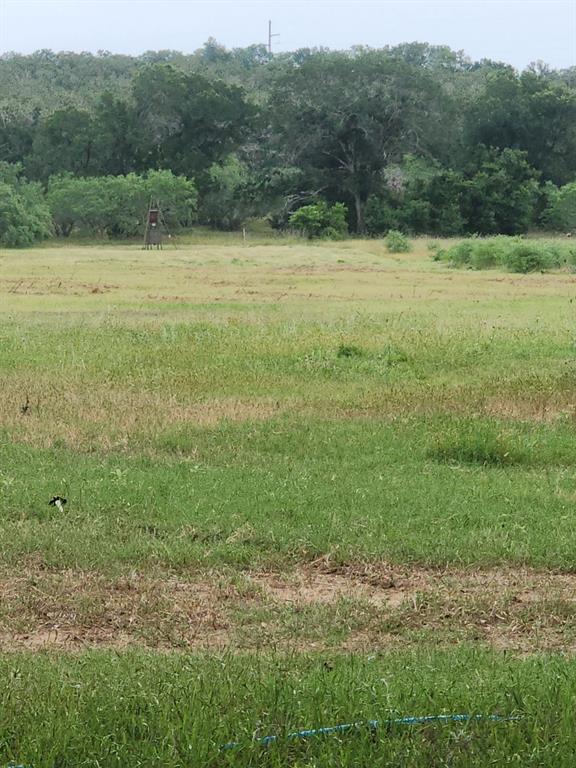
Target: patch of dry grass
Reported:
[(93, 416), (322, 607)]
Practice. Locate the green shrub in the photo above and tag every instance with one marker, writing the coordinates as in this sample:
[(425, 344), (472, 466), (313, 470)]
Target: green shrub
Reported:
[(486, 254), (321, 221), (459, 255), (527, 257), (511, 253), (396, 242)]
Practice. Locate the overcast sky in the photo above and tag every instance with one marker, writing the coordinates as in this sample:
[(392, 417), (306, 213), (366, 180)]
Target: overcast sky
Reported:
[(514, 31)]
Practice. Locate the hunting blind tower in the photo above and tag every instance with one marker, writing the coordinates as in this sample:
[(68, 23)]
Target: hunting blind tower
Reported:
[(155, 224)]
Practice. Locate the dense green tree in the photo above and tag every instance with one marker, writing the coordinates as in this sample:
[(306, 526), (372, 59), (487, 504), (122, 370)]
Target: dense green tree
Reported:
[(24, 215), (231, 197), (432, 198), (444, 195), (64, 202), (80, 203), (380, 215), (551, 142), (16, 133), (561, 211), (116, 129), (187, 122), (64, 142), (535, 113), (501, 194), (346, 118), (498, 193), (419, 196), (117, 205)]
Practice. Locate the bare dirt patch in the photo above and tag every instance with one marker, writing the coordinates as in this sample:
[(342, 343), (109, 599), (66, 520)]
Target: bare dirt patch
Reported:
[(317, 607), (316, 587)]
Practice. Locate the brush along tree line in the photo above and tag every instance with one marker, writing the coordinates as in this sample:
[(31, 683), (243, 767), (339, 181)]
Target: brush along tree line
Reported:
[(415, 138)]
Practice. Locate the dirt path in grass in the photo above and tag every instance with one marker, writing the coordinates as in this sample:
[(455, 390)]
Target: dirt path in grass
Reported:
[(319, 607)]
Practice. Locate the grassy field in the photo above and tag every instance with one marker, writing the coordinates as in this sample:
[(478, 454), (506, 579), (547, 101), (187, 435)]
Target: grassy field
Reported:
[(306, 484)]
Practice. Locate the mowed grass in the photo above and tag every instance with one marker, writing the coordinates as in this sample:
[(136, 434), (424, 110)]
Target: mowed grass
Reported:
[(435, 491), (282, 451)]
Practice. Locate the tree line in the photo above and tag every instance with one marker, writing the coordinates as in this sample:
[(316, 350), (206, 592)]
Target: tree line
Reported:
[(415, 138)]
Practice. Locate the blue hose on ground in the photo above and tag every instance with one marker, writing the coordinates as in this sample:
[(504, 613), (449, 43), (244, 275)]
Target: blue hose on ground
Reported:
[(372, 725)]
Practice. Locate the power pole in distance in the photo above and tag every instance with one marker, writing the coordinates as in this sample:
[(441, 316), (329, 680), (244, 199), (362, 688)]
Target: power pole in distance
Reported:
[(270, 36)]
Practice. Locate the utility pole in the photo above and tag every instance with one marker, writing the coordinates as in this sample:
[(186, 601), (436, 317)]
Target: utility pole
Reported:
[(270, 36)]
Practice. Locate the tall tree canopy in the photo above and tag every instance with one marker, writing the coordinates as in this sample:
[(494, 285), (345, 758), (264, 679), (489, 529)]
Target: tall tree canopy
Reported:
[(186, 121), (343, 119), (535, 113)]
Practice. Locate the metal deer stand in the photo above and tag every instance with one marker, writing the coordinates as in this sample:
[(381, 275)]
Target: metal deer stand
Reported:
[(153, 235)]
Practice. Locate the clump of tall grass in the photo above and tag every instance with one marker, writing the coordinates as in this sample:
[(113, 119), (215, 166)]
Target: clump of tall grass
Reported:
[(513, 253), (349, 350), (476, 442)]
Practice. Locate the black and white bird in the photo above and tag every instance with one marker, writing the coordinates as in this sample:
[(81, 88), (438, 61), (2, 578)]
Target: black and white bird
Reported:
[(57, 501)]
